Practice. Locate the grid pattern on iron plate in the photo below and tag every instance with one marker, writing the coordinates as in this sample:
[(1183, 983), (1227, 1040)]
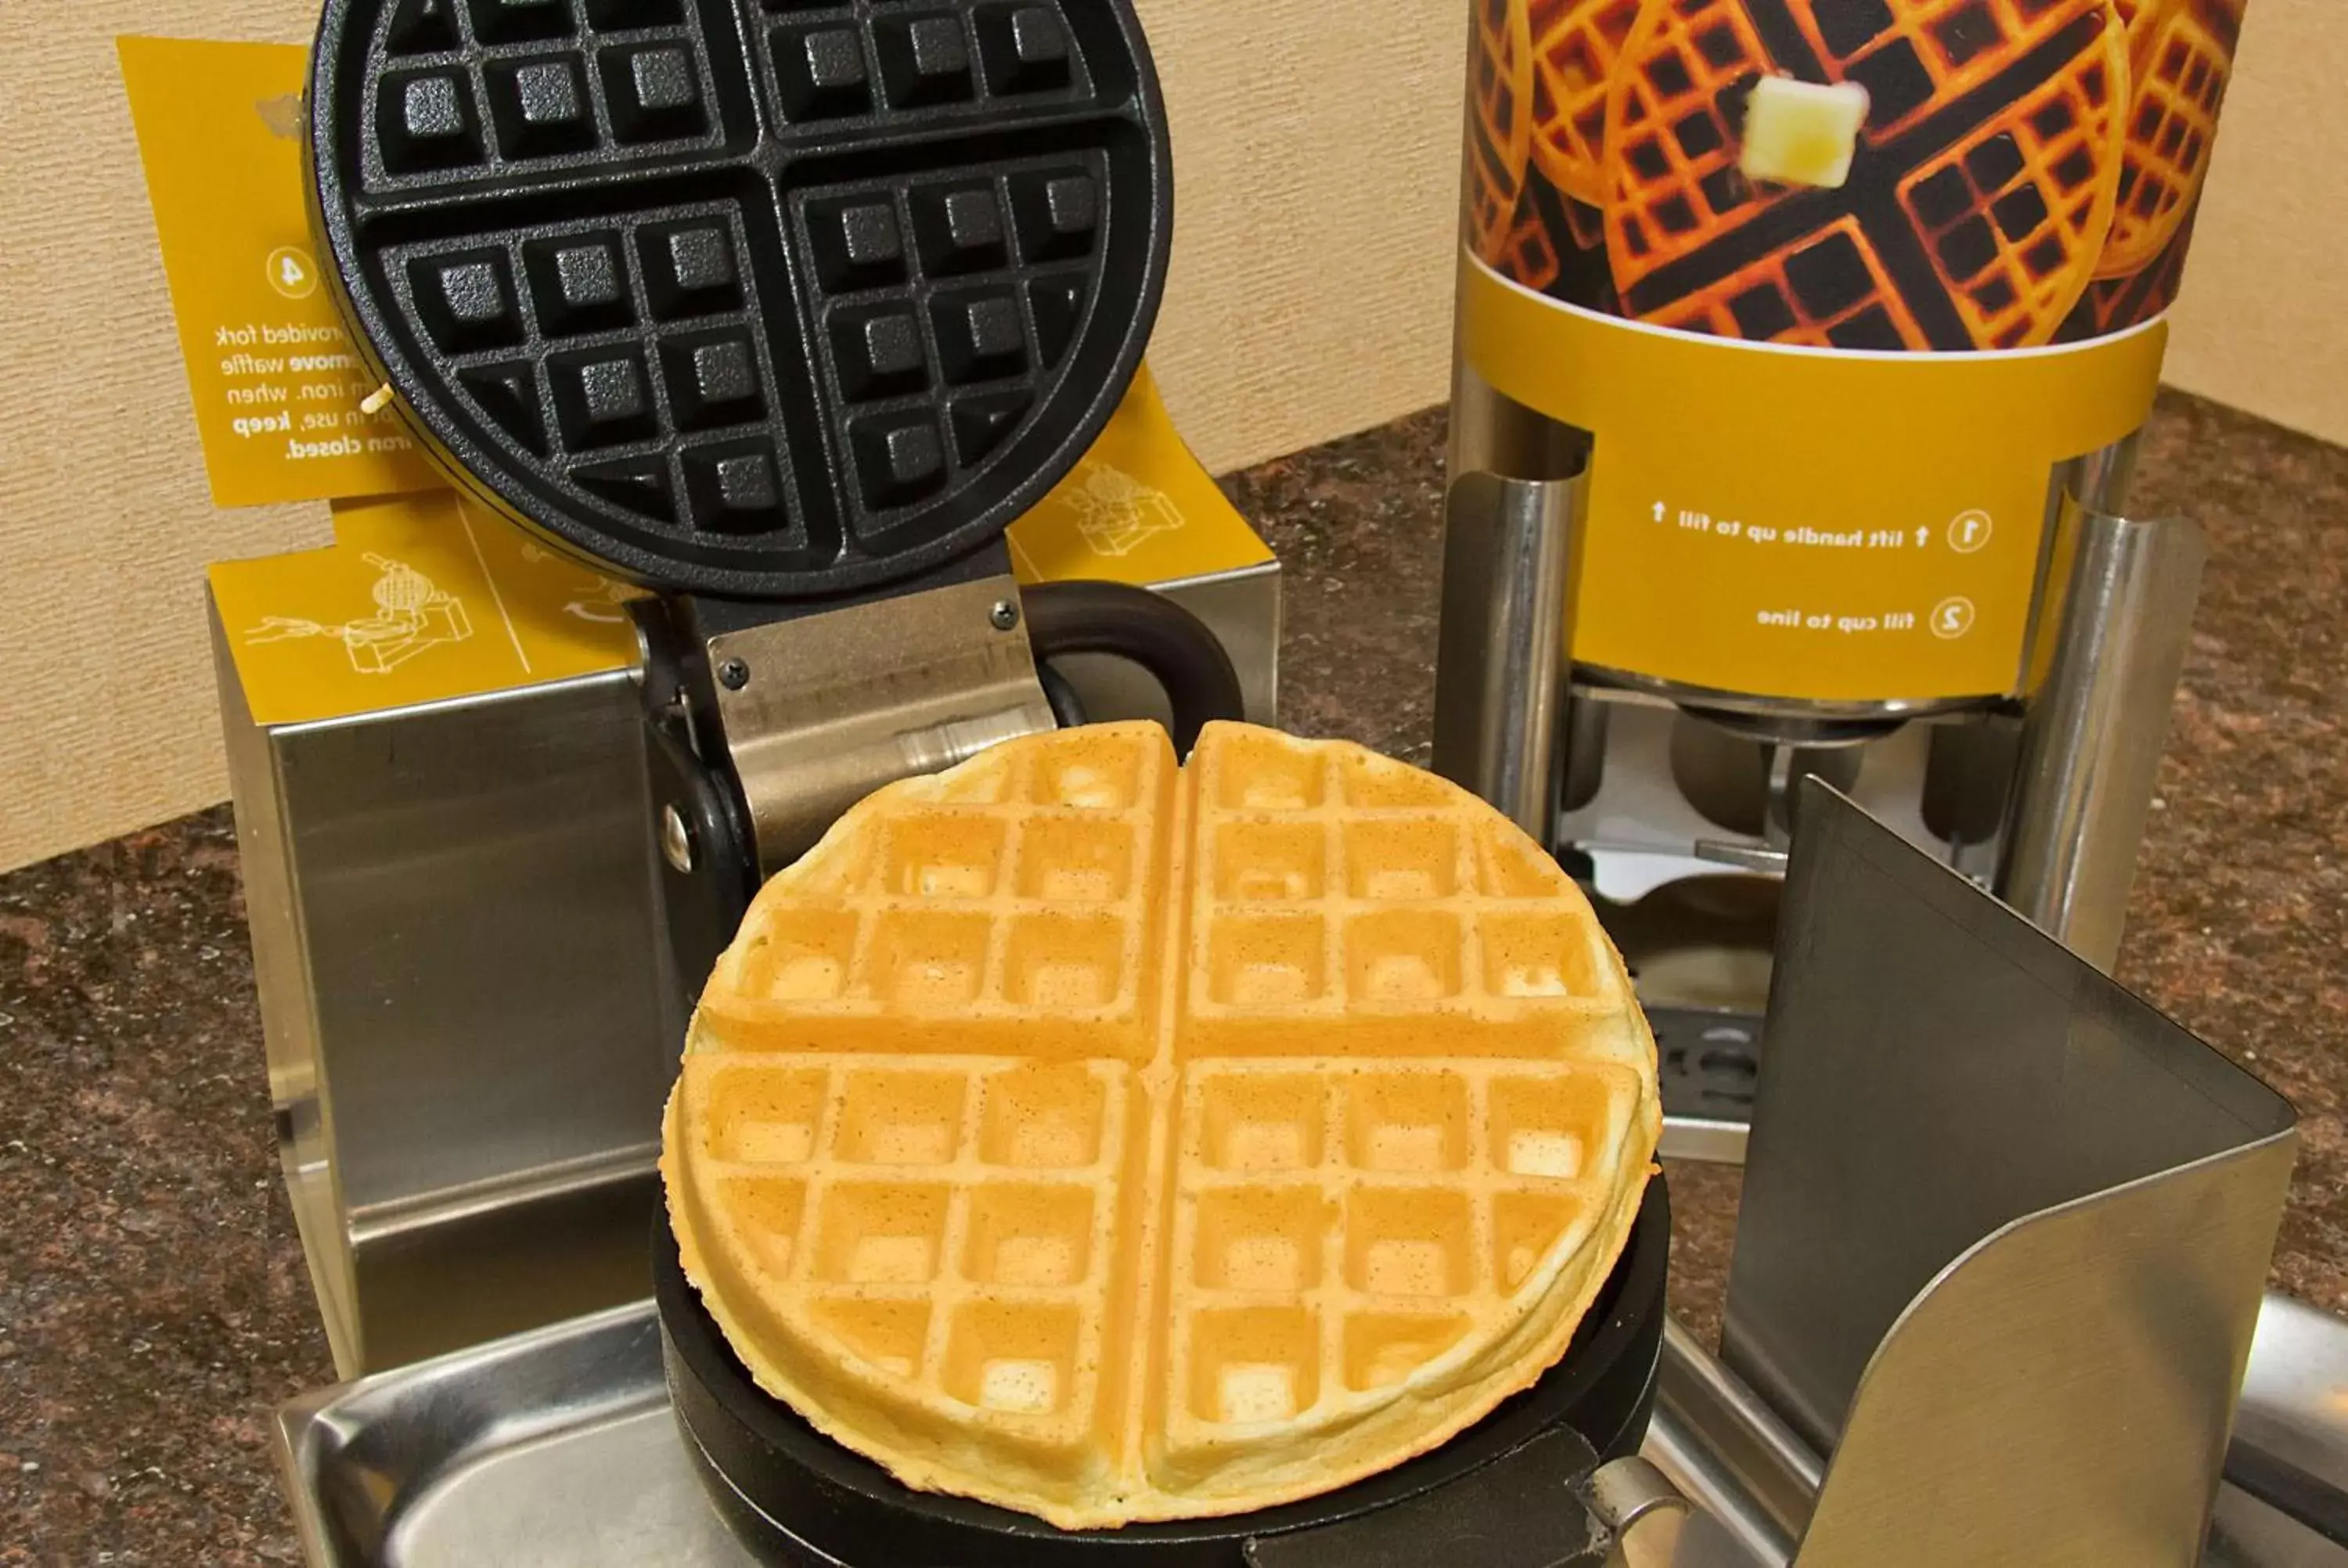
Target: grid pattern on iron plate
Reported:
[(709, 274)]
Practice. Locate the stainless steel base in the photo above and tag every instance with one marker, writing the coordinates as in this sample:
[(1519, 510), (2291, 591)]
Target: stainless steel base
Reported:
[(1721, 1449), (465, 988), (558, 1449), (454, 930)]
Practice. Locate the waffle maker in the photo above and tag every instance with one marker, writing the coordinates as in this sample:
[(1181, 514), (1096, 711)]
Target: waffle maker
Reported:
[(785, 312)]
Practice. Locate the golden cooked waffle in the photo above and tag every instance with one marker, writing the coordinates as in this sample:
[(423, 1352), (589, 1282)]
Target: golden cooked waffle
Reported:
[(2180, 55), (1114, 1142), (1981, 195), (1499, 123), (1575, 44)]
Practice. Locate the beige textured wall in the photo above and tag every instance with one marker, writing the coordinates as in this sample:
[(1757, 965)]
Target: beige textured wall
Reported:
[(1310, 297), (2263, 321), (106, 697), (1317, 166)]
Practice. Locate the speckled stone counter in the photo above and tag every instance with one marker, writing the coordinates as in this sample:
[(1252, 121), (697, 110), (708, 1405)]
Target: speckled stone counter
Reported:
[(153, 1305)]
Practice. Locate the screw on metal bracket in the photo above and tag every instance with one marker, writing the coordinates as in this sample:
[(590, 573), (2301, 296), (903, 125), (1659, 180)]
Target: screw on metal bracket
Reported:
[(1005, 615), (733, 675), (676, 840)]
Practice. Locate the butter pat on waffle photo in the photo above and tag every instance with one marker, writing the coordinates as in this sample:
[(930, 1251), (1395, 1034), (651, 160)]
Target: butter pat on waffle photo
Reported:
[(1113, 1140)]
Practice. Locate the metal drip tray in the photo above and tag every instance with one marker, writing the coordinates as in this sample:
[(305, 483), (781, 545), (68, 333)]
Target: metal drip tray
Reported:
[(558, 1449)]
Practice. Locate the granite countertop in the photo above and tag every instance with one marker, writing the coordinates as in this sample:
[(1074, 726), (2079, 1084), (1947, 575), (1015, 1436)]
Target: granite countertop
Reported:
[(153, 1305)]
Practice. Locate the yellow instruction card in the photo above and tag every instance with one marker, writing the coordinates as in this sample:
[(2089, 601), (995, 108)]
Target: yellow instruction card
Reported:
[(277, 387), (1138, 508), (421, 598)]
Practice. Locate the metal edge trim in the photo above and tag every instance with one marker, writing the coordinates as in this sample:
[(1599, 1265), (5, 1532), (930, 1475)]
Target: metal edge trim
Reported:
[(295, 1421), (260, 822), (1264, 569), (379, 1222), (628, 673), (1623, 685), (312, 1427), (1705, 1141)]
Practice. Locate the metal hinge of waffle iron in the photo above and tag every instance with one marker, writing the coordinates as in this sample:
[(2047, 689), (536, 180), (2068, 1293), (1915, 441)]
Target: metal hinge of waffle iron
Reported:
[(1550, 1504), (770, 720)]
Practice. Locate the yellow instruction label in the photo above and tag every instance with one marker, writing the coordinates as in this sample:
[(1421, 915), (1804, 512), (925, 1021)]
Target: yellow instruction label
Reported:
[(1794, 523), (1138, 508), (421, 598), (277, 385)]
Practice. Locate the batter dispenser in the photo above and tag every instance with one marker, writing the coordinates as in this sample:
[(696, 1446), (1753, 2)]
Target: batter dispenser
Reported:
[(1802, 347)]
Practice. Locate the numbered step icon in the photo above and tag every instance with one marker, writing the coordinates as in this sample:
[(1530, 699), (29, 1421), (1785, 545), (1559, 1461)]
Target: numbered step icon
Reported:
[(1970, 532), (1952, 617), (292, 273)]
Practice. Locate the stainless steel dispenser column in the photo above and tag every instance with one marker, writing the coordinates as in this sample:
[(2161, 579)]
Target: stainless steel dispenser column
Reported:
[(1503, 660), (2096, 726), (1502, 663)]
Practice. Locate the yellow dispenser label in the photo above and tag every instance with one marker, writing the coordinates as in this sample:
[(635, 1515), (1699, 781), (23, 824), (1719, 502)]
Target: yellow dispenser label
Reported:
[(1834, 283), (1802, 523), (421, 598), (276, 384), (1138, 509)]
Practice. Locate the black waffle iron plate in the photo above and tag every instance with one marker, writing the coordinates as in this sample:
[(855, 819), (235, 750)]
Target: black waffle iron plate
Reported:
[(763, 299), (797, 1499)]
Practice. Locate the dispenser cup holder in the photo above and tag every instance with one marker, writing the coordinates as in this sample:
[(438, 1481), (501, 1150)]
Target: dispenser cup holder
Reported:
[(2002, 1249)]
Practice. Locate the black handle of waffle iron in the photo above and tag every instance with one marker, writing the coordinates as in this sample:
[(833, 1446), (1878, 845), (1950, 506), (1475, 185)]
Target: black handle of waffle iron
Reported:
[(1177, 648), (1068, 707)]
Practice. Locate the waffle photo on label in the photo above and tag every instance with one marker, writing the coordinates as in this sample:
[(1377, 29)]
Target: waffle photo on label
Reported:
[(1575, 45), (1500, 122), (1982, 192), (1116, 1140), (2180, 57)]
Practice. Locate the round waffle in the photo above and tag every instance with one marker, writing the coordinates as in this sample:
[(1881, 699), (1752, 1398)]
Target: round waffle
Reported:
[(1499, 122), (2180, 56), (1980, 199), (780, 301), (1575, 45), (1112, 1142)]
